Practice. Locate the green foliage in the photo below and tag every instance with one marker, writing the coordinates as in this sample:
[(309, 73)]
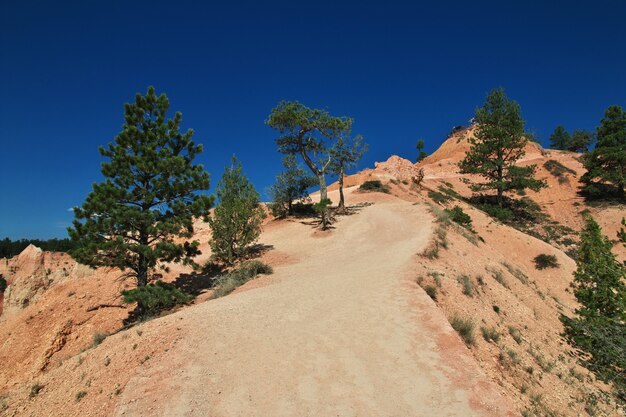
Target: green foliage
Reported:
[(504, 214), (344, 155), (457, 215), (515, 334), (236, 221), (374, 185), (35, 389), (498, 144), (544, 261), (560, 138), (578, 141), (228, 282), (431, 290), (468, 286), (151, 299), (621, 234), (606, 163), (80, 395), (465, 328), (309, 133), (10, 248), (3, 284), (438, 197), (291, 186), (490, 334), (135, 218), (421, 155), (599, 328), (322, 209), (557, 169)]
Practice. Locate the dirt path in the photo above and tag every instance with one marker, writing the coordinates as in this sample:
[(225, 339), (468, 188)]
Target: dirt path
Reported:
[(336, 334)]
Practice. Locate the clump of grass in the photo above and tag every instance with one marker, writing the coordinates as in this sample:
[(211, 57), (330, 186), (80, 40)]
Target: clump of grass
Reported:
[(374, 186), (228, 282), (431, 290), (99, 338), (436, 275), (515, 334), (80, 395), (516, 272), (544, 364), (465, 328), (35, 389), (499, 277), (544, 261), (468, 286), (438, 197), (496, 309), (490, 334)]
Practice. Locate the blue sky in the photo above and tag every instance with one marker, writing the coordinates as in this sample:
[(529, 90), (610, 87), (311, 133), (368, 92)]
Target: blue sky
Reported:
[(402, 70)]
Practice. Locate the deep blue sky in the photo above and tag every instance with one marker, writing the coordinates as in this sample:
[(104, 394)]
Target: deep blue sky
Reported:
[(403, 70)]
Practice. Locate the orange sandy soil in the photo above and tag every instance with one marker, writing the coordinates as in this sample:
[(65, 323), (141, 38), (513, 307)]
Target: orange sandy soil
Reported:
[(341, 328)]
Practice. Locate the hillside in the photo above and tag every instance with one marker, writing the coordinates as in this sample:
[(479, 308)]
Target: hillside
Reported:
[(344, 326)]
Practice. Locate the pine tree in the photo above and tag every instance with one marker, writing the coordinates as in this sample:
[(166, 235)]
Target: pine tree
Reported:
[(236, 221), (599, 328), (309, 133), (580, 141), (498, 143), (599, 278), (421, 155), (346, 152), (606, 163), (560, 138), (291, 185), (135, 218)]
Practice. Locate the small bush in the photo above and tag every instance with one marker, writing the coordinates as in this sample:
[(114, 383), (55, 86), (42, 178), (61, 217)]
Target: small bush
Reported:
[(558, 169), (465, 328), (496, 309), (228, 282), (457, 215), (515, 334), (375, 186), (35, 389), (468, 286), (154, 298), (517, 273), (99, 338), (544, 261), (438, 197), (490, 334), (3, 284), (79, 395), (431, 290), (499, 277)]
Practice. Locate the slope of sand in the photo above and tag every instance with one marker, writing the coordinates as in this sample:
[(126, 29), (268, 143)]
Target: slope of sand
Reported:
[(335, 334)]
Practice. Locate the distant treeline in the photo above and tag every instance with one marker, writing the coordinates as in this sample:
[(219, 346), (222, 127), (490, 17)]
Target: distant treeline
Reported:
[(10, 248)]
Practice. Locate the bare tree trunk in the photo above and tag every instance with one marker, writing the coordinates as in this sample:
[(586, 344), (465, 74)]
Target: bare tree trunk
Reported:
[(323, 190), (342, 205)]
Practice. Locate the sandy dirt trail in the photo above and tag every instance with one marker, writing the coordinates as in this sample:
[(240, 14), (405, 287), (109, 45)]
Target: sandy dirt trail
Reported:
[(337, 333)]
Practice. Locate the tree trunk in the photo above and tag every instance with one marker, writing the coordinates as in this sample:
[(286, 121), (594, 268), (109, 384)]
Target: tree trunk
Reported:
[(323, 191), (342, 205), (500, 187)]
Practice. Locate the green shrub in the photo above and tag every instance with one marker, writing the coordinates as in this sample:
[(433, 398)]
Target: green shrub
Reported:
[(3, 284), (374, 185), (503, 214), (79, 395), (465, 328), (468, 286), (515, 334), (99, 338), (544, 261), (558, 169), (438, 197), (496, 309), (431, 290), (154, 298), (490, 334), (228, 282), (457, 215), (35, 389)]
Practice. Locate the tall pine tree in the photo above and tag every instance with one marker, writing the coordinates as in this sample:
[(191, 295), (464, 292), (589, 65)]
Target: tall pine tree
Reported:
[(560, 138), (606, 163), (291, 185), (498, 143), (135, 218), (346, 152)]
